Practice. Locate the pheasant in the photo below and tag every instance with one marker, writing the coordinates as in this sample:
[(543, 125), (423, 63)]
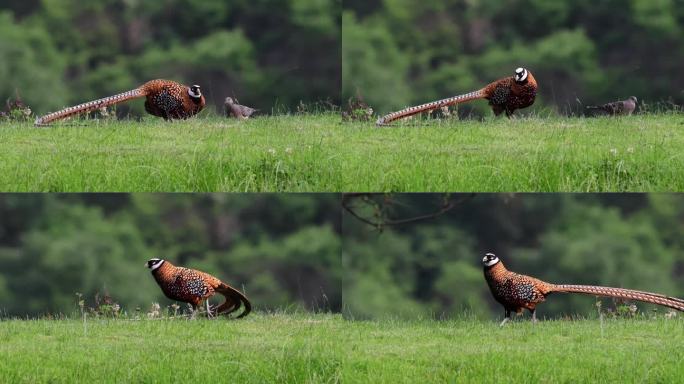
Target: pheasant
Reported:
[(517, 292), (236, 110), (504, 95), (194, 287), (617, 108), (164, 98)]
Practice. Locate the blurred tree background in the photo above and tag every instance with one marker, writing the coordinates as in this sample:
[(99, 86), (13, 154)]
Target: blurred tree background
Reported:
[(282, 250), (432, 267), (404, 52), (271, 55)]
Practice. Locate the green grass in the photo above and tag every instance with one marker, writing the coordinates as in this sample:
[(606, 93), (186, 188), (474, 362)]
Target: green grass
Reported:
[(328, 349), (625, 351), (257, 349), (319, 153)]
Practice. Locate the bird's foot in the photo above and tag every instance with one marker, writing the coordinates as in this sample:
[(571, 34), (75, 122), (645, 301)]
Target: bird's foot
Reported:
[(210, 310)]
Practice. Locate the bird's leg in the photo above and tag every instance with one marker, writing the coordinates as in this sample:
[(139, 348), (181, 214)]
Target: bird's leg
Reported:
[(209, 314), (507, 317), (194, 312), (534, 316)]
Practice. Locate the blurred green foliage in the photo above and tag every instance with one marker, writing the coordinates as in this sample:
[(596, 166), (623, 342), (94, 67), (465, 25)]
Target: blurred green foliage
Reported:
[(283, 250), (404, 52), (432, 268), (269, 54)]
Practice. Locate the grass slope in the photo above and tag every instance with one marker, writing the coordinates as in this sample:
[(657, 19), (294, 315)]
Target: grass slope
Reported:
[(319, 153), (327, 349)]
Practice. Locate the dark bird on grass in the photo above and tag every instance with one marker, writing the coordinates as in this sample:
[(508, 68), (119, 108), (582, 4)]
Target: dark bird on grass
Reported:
[(617, 108), (195, 287), (164, 98), (504, 95), (236, 110), (516, 292)]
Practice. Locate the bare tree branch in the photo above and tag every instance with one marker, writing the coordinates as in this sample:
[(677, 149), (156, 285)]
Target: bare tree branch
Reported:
[(380, 222)]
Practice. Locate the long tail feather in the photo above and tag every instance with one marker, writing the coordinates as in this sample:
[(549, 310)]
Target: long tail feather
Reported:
[(234, 299), (89, 106), (628, 294), (430, 106)]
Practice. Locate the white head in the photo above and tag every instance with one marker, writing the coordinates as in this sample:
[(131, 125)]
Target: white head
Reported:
[(489, 259), (633, 98), (520, 75), (229, 101), (153, 264), (194, 91)]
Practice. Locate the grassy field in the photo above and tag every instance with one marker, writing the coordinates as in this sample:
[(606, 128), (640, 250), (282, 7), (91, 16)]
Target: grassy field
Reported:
[(327, 349), (621, 351), (257, 349), (319, 153)]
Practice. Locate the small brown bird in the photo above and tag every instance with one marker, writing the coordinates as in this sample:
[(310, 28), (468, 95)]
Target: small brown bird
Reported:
[(516, 292), (617, 108), (504, 95), (236, 110), (194, 287), (164, 98)]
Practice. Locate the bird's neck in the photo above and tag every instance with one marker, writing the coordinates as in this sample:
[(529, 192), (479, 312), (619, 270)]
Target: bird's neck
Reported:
[(530, 82), (166, 265), (495, 272)]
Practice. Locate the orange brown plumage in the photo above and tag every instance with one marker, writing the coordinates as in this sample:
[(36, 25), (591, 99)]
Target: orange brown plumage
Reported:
[(195, 287), (504, 95), (164, 98), (516, 292)]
